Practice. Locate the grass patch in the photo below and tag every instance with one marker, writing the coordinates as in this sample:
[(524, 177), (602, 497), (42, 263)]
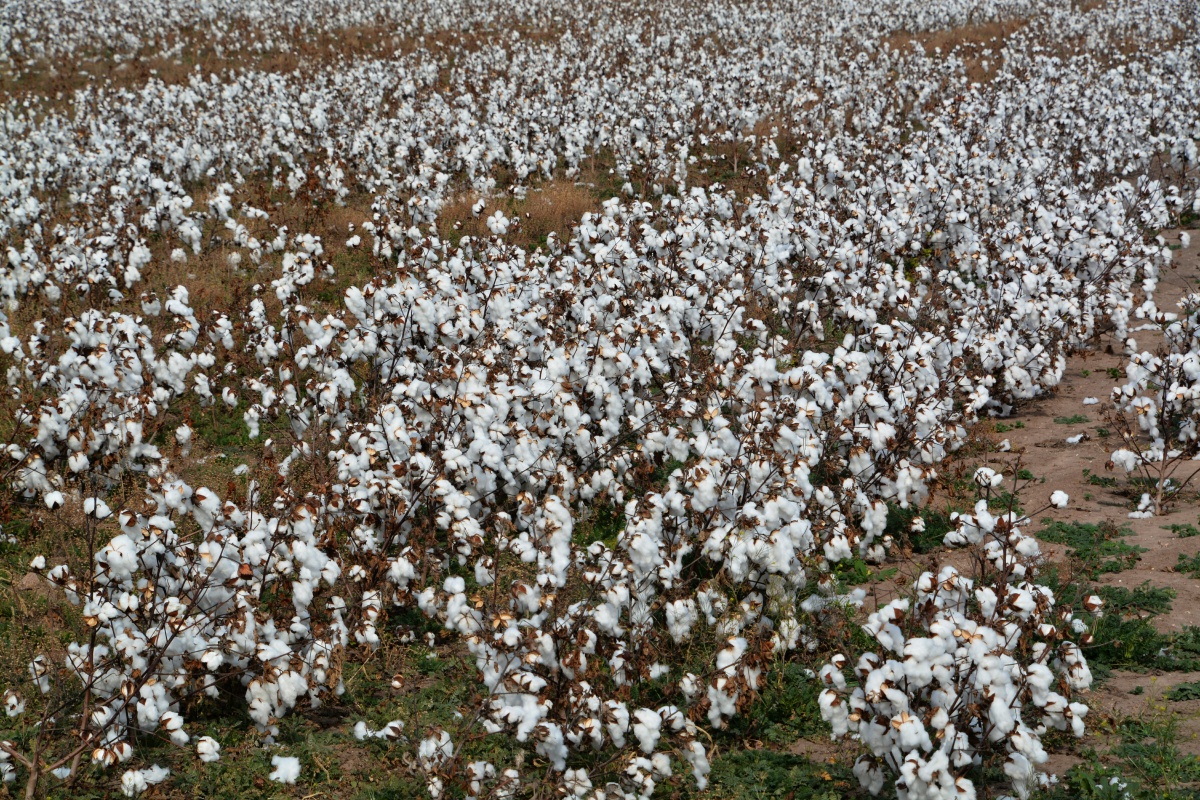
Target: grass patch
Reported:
[(1100, 548), (753, 774), (1074, 419), (856, 571), (1184, 691), (899, 527), (1184, 531), (1189, 565), (1143, 599), (1145, 764)]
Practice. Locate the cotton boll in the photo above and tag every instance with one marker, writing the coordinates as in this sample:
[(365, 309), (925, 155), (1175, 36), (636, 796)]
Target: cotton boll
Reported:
[(286, 769), (14, 704), (95, 507), (576, 782), (183, 436), (646, 728), (987, 477), (134, 782), (208, 749), (1059, 499), (433, 750)]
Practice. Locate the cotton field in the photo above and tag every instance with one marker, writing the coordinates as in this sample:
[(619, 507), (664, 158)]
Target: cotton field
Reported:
[(452, 399)]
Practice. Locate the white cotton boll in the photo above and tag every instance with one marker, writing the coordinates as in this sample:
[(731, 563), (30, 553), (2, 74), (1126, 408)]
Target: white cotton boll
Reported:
[(133, 783), (1091, 401), (1077, 438), (14, 704), (1125, 459), (183, 435), (577, 782), (498, 224), (354, 241), (38, 563), (208, 749), (287, 769), (834, 711), (95, 507), (681, 616), (77, 462), (1020, 770), (434, 750), (698, 758), (837, 549), (53, 500), (1001, 717), (646, 728), (985, 477), (1059, 499), (1078, 712), (869, 774), (1185, 240), (136, 781)]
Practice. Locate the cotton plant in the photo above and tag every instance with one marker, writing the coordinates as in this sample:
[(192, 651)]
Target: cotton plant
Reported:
[(972, 669), (1156, 411)]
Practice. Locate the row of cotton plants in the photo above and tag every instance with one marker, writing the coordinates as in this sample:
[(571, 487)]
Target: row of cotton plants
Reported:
[(746, 379)]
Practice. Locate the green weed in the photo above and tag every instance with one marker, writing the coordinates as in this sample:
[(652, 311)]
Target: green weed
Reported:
[(1100, 548), (899, 526)]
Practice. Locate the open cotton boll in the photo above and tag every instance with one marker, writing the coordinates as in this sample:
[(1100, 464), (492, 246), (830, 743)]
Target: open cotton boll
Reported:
[(14, 704), (183, 435), (95, 507), (208, 749), (1059, 499), (136, 781), (286, 769), (646, 727)]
